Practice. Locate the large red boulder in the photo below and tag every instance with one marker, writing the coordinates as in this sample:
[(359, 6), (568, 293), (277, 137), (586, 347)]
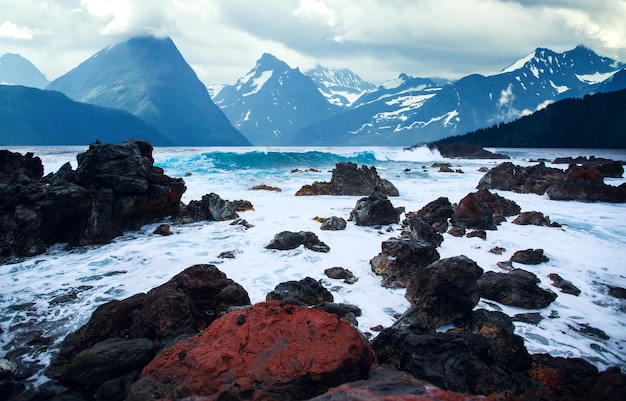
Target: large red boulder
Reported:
[(271, 351)]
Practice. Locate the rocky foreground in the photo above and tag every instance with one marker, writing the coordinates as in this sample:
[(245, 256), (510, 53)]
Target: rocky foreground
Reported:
[(197, 337)]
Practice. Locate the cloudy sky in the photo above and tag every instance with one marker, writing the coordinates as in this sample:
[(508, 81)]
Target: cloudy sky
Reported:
[(377, 39)]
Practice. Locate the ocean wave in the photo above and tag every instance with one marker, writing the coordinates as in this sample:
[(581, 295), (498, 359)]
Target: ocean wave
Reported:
[(289, 158)]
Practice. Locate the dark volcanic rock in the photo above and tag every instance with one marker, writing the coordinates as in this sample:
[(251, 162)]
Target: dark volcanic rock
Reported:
[(529, 257), (286, 240), (586, 184), (515, 288), (307, 291), (464, 151), (399, 258), (565, 285), (436, 213), (187, 303), (333, 223), (578, 183), (510, 177), (606, 167), (342, 274), (272, 351), (535, 219), (211, 207), (483, 210), (114, 188), (375, 210), (445, 290), (386, 383), (482, 358), (347, 179), (420, 230), (107, 360)]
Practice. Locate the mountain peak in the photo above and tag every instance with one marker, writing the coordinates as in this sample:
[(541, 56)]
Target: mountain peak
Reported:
[(17, 70), (269, 62)]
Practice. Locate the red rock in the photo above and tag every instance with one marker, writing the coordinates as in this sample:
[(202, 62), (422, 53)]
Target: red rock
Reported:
[(272, 351), (584, 173)]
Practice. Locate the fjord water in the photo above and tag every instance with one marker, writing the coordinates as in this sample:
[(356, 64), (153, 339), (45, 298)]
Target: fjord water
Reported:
[(55, 293)]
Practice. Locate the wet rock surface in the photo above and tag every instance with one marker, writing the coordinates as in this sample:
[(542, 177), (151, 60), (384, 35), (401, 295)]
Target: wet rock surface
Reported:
[(515, 288), (349, 179), (187, 303), (307, 291), (577, 183), (483, 210), (113, 189), (286, 240), (272, 351), (399, 258), (436, 213), (529, 257), (374, 210)]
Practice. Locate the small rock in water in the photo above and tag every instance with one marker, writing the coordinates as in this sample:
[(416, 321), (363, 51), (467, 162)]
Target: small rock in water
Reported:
[(565, 285), (7, 367), (617, 292), (341, 273), (482, 234), (227, 255), (497, 250), (265, 187), (456, 231), (532, 318), (506, 265), (241, 222), (333, 223), (529, 257), (164, 230)]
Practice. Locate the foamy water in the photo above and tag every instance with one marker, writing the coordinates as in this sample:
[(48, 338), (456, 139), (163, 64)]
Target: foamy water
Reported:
[(589, 250)]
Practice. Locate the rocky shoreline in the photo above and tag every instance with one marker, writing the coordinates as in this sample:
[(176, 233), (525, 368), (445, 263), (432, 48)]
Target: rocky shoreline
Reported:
[(197, 336)]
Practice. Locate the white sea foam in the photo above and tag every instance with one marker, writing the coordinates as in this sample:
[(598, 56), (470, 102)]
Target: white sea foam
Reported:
[(588, 250)]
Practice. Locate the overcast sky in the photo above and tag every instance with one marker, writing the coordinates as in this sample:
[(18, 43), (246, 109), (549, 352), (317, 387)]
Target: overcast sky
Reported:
[(377, 39)]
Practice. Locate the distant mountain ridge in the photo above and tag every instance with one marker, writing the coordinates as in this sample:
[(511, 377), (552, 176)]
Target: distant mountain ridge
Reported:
[(149, 78), (341, 87), (397, 116), (16, 70), (272, 101), (595, 121), (31, 116)]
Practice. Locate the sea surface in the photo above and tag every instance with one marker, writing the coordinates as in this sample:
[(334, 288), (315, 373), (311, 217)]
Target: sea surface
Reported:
[(50, 295)]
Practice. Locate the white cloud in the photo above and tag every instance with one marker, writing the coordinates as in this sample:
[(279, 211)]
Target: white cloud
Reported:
[(11, 31)]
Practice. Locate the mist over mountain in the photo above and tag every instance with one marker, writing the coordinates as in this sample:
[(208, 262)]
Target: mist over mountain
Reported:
[(30, 116), (594, 121), (149, 78), (16, 70)]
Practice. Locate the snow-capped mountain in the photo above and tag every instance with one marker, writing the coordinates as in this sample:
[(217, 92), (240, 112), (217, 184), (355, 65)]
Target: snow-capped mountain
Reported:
[(272, 100), (410, 110), (16, 70), (341, 87)]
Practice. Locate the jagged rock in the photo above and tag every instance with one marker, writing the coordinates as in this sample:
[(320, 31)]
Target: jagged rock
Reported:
[(481, 358), (565, 285), (529, 257), (345, 312), (586, 184), (386, 383), (265, 187), (307, 291), (482, 234), (243, 205), (342, 274), (114, 188), (347, 179), (497, 250), (286, 240), (457, 231), (515, 288), (164, 230), (606, 167), (420, 230), (187, 303), (436, 213), (617, 292), (375, 209), (333, 223), (510, 177), (399, 258), (241, 222), (483, 210), (445, 290), (107, 360), (211, 207), (534, 218), (272, 351), (578, 183)]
